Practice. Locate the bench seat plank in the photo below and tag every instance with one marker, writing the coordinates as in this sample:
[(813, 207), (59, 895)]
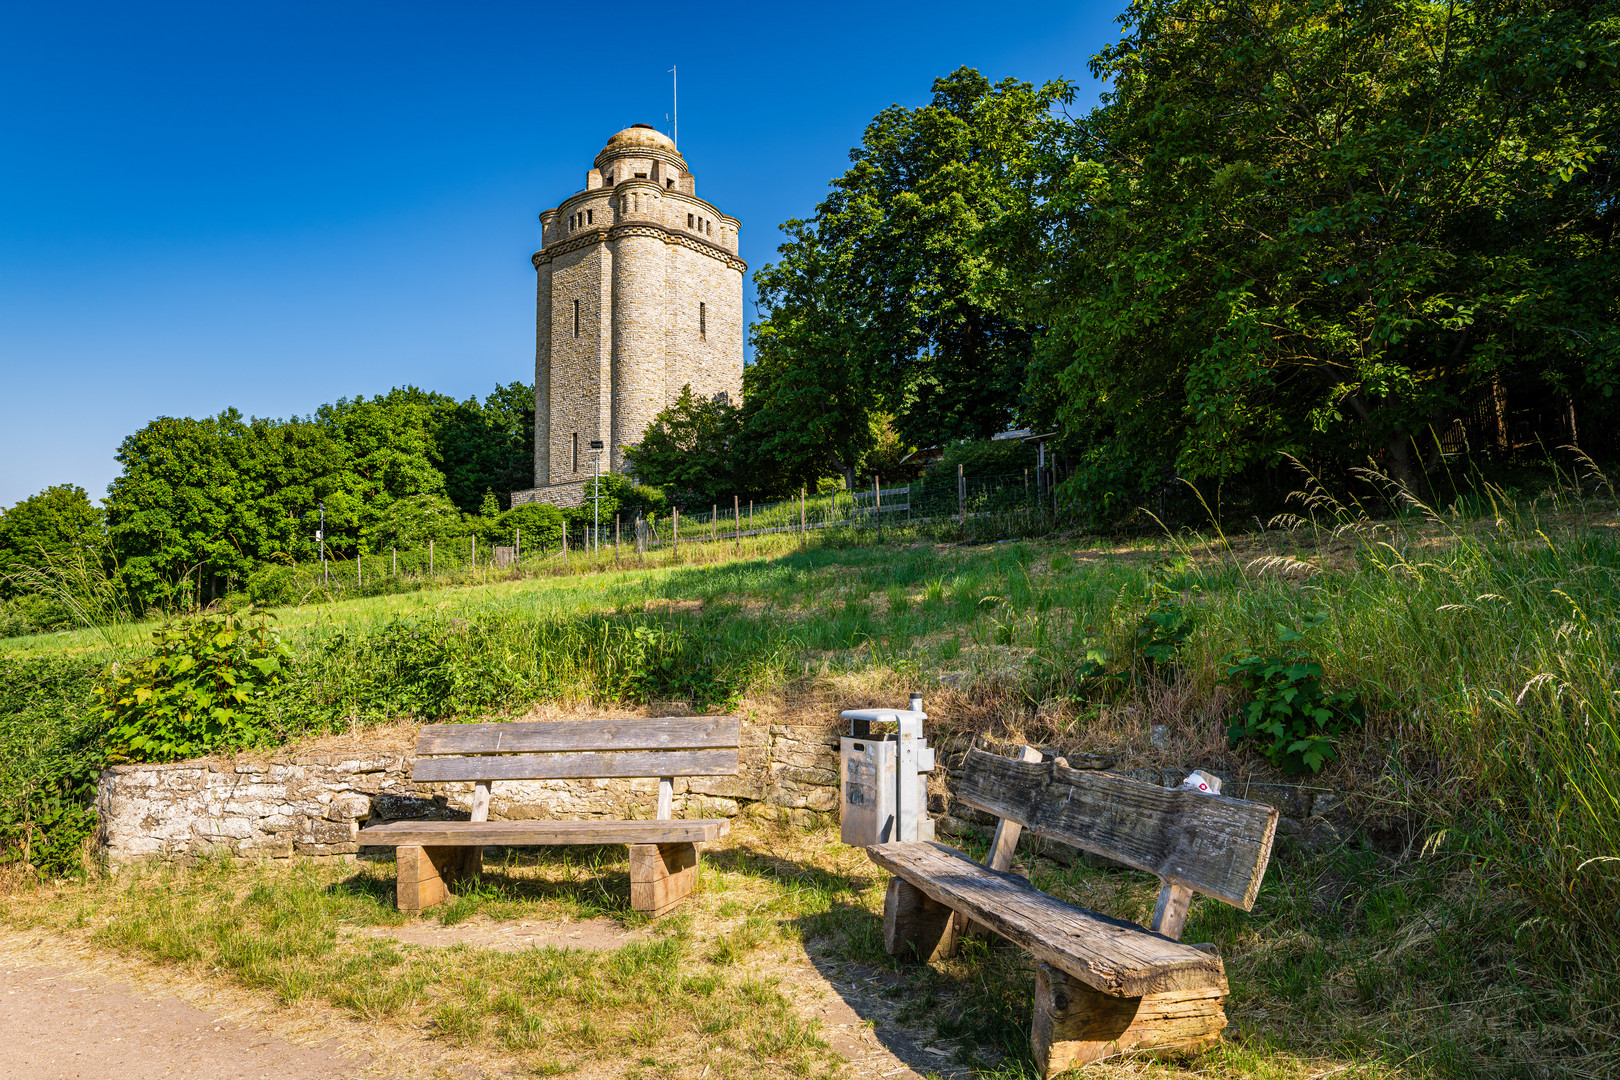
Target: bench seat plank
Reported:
[(1115, 957), (552, 736), (525, 833), (577, 765)]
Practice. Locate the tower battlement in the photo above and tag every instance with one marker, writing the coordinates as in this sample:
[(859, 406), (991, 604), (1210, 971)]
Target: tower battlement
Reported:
[(638, 293)]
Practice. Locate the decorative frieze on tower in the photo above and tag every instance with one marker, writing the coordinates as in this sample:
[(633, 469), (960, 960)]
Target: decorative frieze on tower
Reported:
[(639, 293)]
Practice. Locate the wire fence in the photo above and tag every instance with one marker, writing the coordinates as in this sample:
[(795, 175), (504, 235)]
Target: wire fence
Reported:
[(977, 508)]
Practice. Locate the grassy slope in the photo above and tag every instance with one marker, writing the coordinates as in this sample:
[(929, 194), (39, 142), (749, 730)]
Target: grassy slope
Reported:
[(1487, 654)]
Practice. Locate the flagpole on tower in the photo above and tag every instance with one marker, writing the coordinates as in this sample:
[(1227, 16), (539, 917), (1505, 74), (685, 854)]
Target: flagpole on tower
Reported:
[(675, 104)]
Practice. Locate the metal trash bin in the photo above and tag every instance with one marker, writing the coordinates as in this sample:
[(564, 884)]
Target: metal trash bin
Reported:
[(883, 776)]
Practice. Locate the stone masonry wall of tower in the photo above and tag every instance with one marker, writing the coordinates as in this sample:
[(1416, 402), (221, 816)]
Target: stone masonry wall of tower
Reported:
[(638, 293)]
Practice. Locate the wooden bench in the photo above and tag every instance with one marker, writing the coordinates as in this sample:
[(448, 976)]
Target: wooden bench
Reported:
[(433, 856), (1102, 985)]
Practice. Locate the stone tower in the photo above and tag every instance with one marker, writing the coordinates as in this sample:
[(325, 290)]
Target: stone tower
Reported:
[(639, 293)]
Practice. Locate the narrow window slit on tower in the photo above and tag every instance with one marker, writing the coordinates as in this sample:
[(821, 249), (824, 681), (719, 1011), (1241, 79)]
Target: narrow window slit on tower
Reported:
[(689, 223), (703, 321), (576, 322), (590, 216), (576, 451)]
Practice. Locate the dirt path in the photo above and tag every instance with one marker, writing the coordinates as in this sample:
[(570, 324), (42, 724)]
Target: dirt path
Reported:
[(72, 1012), (60, 1025)]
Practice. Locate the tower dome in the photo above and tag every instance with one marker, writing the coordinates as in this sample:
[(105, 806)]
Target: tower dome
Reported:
[(640, 135)]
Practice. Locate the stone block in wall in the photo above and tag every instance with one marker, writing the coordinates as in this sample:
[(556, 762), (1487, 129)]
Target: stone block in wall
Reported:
[(304, 848), (266, 847), (1291, 800), (331, 832)]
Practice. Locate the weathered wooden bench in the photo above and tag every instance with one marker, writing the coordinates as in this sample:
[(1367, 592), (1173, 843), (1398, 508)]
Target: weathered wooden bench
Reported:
[(1102, 985), (434, 856)]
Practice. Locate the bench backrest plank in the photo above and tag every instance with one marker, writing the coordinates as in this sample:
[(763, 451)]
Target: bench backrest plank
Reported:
[(1211, 843), (580, 749), (551, 736)]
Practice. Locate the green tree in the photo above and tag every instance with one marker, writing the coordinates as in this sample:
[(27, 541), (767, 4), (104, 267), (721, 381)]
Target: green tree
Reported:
[(900, 294), (488, 445), (51, 525), (181, 516), (1327, 229), (689, 450)]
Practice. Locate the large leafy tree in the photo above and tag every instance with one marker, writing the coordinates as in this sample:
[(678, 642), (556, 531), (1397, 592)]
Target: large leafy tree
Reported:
[(1328, 228), (690, 450), (51, 525), (900, 295)]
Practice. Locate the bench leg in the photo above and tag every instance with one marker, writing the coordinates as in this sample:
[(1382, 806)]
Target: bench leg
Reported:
[(915, 924), (1075, 1025), (661, 876), (425, 875)]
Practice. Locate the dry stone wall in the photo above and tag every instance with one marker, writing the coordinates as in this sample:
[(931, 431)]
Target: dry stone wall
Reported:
[(316, 803)]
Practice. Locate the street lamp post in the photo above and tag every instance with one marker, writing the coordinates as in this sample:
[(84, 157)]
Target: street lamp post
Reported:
[(320, 534), (596, 510)]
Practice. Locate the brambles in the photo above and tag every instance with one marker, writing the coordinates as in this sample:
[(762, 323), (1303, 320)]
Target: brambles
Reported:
[(196, 691), (1291, 715)]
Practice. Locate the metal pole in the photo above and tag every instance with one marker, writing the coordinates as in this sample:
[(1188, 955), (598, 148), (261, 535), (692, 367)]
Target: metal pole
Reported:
[(675, 529), (615, 539), (736, 524), (517, 542), (430, 556), (596, 510), (393, 554), (961, 498), (321, 536), (803, 538)]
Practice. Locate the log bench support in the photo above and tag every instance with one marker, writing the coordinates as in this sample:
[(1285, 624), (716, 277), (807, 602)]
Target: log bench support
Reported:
[(1075, 1025), (428, 875), (916, 925), (661, 876)]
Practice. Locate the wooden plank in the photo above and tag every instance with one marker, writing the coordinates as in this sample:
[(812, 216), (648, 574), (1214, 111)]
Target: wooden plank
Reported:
[(661, 876), (916, 925), (526, 833), (1170, 913), (1116, 957), (1210, 843), (577, 765), (1074, 1025), (551, 736), (666, 798)]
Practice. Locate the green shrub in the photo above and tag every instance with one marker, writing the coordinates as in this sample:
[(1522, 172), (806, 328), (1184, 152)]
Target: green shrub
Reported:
[(197, 691), (542, 525), (50, 759), (1294, 719)]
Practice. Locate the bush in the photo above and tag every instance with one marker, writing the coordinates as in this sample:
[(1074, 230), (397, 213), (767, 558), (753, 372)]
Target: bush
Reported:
[(50, 759), (197, 691), (1296, 722), (541, 523), (982, 457)]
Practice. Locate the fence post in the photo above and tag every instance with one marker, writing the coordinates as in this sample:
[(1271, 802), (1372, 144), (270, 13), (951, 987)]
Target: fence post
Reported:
[(675, 530), (961, 499), (714, 523), (474, 553), (356, 574), (804, 539), (615, 539), (877, 505), (565, 543), (393, 553), (736, 524), (430, 556)]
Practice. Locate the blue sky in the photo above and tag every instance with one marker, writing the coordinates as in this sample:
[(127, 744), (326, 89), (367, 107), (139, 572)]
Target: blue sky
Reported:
[(275, 206)]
